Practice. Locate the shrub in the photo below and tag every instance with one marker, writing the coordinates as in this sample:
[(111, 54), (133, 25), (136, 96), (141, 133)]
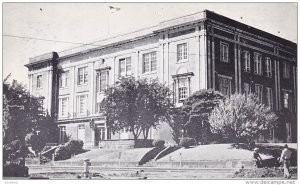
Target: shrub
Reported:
[(15, 170), (75, 146), (186, 142), (14, 150), (46, 148), (63, 152), (37, 142), (158, 143)]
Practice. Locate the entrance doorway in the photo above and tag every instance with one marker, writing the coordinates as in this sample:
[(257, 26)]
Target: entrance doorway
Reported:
[(99, 134), (81, 133)]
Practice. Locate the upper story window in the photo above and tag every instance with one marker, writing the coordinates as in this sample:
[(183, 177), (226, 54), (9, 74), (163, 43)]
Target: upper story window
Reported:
[(39, 81), (63, 107), (225, 85), (268, 67), (149, 62), (182, 52), (286, 70), (102, 78), (82, 105), (246, 59), (259, 92), (257, 63), (82, 75), (64, 79), (224, 52), (247, 88), (269, 97), (125, 67)]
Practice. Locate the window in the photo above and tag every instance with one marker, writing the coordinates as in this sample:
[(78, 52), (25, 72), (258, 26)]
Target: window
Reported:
[(225, 85), (62, 134), (82, 105), (63, 107), (269, 97), (82, 75), (108, 133), (102, 80), (39, 81), (41, 101), (288, 132), (149, 62), (64, 79), (100, 107), (81, 127), (182, 53), (268, 67), (257, 63), (259, 92), (125, 67), (247, 89), (287, 101), (286, 70), (183, 88), (246, 58), (224, 49)]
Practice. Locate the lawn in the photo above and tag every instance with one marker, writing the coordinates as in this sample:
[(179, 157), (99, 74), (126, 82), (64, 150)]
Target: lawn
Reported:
[(212, 152), (132, 155)]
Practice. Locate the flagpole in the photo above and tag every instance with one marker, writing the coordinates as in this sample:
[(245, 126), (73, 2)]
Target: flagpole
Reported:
[(111, 11)]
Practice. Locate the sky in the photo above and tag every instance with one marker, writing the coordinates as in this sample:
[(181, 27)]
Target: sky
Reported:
[(65, 24)]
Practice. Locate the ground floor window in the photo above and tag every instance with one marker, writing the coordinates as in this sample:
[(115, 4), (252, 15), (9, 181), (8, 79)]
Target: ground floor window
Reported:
[(269, 97), (288, 132), (225, 85), (182, 86), (259, 92), (247, 89), (100, 107), (108, 134)]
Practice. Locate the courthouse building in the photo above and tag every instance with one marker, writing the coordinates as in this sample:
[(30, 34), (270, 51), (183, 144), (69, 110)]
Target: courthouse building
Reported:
[(198, 51)]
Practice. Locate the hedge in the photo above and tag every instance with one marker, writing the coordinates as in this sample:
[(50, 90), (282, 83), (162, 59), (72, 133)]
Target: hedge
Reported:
[(186, 142)]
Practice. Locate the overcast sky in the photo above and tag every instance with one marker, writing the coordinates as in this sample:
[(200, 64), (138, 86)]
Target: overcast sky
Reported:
[(82, 22)]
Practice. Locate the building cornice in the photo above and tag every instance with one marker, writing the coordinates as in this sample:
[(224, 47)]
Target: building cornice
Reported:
[(80, 120)]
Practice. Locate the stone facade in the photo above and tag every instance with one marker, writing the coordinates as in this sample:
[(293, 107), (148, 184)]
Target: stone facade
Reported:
[(199, 51)]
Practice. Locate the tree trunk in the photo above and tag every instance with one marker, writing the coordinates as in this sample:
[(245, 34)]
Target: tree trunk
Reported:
[(145, 133)]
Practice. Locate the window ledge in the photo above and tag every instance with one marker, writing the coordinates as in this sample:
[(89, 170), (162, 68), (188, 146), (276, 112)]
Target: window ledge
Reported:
[(182, 61), (81, 85), (150, 72), (62, 88)]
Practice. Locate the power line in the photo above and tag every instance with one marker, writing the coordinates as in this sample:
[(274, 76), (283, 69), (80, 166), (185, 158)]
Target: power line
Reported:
[(48, 40), (76, 43)]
